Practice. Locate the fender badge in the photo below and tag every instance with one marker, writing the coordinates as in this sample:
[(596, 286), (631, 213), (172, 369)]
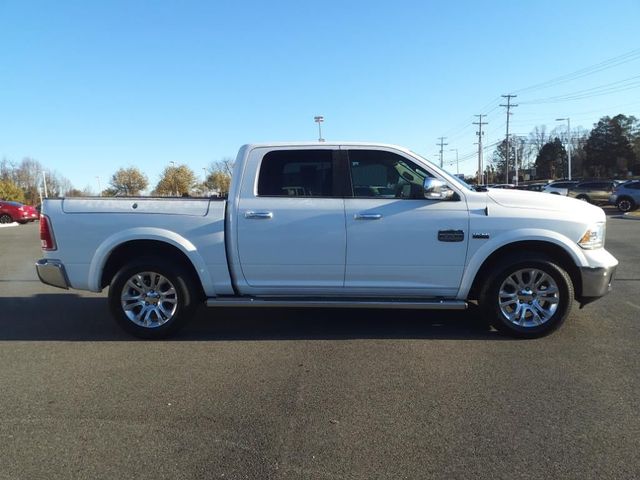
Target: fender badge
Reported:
[(480, 235)]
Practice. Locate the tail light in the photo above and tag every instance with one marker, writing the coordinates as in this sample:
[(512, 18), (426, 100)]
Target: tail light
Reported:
[(47, 241)]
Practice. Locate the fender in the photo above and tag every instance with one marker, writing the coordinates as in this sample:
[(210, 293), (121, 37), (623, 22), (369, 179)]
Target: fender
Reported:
[(148, 233), (513, 236)]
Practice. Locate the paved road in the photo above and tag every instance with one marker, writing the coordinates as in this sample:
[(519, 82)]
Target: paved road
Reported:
[(314, 394)]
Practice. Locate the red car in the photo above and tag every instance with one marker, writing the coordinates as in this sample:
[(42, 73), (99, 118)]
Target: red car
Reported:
[(17, 212)]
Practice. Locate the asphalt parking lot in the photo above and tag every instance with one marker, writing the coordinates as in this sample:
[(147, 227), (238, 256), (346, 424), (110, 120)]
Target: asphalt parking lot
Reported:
[(314, 394)]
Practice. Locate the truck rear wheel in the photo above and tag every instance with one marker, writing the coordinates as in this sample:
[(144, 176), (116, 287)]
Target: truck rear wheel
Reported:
[(152, 298), (528, 295)]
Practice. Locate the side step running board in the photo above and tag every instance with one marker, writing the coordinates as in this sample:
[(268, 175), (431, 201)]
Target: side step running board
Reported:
[(335, 303)]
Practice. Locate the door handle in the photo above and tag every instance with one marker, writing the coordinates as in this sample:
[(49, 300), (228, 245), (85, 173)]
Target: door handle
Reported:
[(367, 216), (258, 215)]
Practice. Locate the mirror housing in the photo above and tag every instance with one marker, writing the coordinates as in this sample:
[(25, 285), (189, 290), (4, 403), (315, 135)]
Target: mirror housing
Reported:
[(435, 189)]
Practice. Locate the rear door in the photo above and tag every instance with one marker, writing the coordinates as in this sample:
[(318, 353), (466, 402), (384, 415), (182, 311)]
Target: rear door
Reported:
[(398, 242), (291, 234)]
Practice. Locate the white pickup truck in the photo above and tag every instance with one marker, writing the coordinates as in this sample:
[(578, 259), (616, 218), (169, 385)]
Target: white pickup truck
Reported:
[(332, 225)]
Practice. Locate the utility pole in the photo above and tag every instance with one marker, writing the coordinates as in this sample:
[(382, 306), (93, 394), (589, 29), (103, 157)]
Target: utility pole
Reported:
[(442, 144), (509, 106), (480, 133), (99, 187)]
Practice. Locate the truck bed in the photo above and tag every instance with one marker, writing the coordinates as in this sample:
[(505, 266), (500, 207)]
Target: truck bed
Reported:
[(194, 225)]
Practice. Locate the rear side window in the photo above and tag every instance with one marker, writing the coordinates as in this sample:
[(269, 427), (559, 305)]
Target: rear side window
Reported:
[(633, 185), (296, 173), (563, 185)]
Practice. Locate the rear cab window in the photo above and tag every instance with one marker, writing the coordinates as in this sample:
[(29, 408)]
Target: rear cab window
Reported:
[(297, 173)]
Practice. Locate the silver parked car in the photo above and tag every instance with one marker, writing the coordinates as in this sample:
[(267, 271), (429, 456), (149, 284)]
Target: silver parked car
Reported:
[(626, 196), (559, 188)]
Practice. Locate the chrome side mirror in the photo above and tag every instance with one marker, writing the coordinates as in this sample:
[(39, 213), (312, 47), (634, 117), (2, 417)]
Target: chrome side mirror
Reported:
[(435, 189)]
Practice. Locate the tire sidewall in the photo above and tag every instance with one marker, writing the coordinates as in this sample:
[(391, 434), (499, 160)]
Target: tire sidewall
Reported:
[(490, 303), (4, 216), (180, 279)]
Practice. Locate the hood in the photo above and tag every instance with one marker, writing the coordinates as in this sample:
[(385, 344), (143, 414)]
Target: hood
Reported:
[(545, 201)]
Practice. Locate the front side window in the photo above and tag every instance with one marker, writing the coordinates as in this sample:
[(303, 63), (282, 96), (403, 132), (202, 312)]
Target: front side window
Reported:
[(379, 174), (296, 173)]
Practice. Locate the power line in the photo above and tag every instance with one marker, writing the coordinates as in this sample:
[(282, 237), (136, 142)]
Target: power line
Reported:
[(585, 71), (605, 89)]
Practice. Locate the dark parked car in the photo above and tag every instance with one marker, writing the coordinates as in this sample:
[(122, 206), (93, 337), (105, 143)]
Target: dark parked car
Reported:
[(626, 196), (596, 191), (16, 212)]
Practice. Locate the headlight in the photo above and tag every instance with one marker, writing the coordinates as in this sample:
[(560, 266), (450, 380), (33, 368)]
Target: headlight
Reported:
[(594, 236)]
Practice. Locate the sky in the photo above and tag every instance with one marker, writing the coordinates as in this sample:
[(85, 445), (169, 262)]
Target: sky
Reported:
[(89, 87)]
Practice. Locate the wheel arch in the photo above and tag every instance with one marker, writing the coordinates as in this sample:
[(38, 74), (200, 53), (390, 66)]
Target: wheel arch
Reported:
[(113, 252), (555, 252)]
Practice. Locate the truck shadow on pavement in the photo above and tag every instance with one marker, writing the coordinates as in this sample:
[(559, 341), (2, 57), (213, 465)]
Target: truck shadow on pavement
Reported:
[(69, 317)]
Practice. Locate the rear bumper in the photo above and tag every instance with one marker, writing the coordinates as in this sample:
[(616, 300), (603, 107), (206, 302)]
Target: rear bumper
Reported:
[(52, 273)]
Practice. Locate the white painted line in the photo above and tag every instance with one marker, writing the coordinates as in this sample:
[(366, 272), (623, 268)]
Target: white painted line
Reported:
[(633, 305)]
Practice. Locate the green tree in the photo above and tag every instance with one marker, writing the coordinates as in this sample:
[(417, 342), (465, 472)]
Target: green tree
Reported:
[(177, 181), (10, 191), (128, 181), (499, 160), (608, 151), (551, 160)]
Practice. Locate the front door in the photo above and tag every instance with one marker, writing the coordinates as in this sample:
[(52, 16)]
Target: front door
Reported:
[(398, 242)]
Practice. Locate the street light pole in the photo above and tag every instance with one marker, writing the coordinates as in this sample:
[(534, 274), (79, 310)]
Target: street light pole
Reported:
[(457, 162), (99, 187), (44, 182), (516, 161), (319, 119), (173, 178), (568, 143)]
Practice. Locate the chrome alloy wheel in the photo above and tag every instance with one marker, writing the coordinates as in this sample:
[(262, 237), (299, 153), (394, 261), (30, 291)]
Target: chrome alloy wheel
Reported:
[(528, 297), (149, 299)]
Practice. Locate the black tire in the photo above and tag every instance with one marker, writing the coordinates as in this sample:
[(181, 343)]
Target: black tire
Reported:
[(6, 218), (626, 204), (584, 198), (504, 273), (185, 299)]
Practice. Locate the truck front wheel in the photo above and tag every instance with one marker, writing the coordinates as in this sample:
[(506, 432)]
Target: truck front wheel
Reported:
[(152, 298), (527, 295)]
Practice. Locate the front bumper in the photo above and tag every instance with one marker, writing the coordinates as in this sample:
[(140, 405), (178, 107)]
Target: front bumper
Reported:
[(596, 283), (52, 273)]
